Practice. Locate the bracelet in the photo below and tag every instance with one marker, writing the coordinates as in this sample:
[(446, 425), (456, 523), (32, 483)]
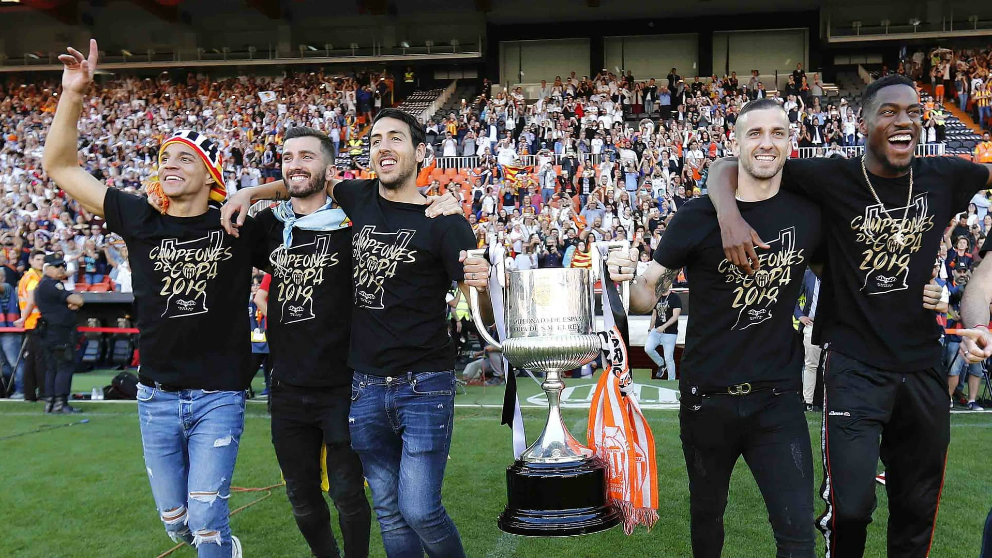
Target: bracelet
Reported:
[(986, 326)]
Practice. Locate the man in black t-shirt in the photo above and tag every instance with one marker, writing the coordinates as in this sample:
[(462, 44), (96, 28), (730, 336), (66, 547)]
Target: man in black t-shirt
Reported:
[(58, 312), (884, 215), (308, 240), (402, 393), (732, 406), (191, 281)]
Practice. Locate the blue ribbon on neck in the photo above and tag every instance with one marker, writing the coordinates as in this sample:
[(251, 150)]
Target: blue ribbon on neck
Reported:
[(327, 218)]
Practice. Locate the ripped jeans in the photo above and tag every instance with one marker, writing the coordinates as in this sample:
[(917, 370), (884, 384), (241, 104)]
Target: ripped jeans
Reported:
[(190, 439)]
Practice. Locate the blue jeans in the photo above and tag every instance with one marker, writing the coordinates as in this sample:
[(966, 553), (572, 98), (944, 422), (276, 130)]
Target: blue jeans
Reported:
[(10, 347), (667, 341), (958, 366), (401, 429), (190, 439)]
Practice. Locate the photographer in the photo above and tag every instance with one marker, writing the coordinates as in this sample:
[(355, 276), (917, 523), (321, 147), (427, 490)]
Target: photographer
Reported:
[(549, 255)]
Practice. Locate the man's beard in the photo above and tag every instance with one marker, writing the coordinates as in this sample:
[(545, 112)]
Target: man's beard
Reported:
[(400, 180), (748, 167), (313, 186)]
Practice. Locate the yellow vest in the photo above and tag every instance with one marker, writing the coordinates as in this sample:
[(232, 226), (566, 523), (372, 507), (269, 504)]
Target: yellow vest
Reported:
[(29, 282)]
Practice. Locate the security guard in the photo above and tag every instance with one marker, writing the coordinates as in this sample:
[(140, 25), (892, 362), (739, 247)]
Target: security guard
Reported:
[(58, 314), (983, 151)]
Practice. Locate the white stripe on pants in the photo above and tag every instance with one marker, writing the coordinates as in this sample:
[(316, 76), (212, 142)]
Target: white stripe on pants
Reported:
[(809, 368)]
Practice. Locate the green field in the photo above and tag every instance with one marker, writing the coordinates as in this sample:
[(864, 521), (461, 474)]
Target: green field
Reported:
[(81, 490)]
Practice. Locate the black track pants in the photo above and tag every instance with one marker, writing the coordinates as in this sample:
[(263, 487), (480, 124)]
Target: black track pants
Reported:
[(909, 413), (769, 429)]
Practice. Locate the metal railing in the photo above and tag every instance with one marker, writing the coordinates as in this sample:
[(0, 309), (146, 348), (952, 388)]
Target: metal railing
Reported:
[(922, 150), (461, 163), (472, 162)]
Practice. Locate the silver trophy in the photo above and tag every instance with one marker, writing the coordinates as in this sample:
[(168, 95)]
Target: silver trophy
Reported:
[(557, 487)]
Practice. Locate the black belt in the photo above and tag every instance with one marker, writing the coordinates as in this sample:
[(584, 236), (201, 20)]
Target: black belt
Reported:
[(739, 389), (158, 385)]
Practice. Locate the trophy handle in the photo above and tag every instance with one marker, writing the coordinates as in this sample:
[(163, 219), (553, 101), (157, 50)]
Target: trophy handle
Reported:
[(474, 306)]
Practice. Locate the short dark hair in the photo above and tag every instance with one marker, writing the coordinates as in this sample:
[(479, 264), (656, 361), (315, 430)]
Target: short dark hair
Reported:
[(874, 87), (34, 253), (326, 145), (416, 128), (759, 104), (417, 134)]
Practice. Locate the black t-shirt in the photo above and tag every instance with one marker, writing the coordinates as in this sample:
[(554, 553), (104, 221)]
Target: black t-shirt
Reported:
[(735, 314), (191, 282), (50, 298), (404, 263), (309, 318), (871, 305), (665, 307)]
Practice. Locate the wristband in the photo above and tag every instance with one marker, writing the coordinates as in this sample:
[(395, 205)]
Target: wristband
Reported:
[(986, 326)]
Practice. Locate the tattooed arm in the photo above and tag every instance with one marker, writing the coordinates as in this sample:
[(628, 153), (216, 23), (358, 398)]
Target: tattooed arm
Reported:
[(646, 289)]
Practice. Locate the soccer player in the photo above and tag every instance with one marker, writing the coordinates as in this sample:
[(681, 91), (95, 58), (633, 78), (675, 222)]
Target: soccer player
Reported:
[(402, 394), (190, 285), (308, 240), (885, 393), (733, 406)]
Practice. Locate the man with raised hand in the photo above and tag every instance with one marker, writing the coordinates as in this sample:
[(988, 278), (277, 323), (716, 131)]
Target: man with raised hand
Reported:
[(190, 285), (885, 390), (729, 406), (402, 394)]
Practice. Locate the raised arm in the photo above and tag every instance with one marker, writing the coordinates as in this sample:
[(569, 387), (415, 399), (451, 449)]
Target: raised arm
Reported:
[(61, 159)]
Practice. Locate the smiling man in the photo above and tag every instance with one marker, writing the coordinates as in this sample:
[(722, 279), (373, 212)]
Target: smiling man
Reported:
[(191, 284), (402, 391), (732, 407), (884, 217)]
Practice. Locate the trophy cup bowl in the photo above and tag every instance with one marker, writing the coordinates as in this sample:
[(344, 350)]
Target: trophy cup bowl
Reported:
[(557, 487)]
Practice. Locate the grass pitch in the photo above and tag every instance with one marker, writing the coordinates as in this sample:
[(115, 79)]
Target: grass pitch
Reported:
[(80, 490)]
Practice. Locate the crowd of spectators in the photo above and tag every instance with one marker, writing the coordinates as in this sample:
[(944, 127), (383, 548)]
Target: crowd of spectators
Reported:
[(122, 125), (961, 76), (607, 157)]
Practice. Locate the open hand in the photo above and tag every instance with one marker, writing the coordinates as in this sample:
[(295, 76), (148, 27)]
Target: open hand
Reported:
[(739, 240), (447, 204), (77, 71)]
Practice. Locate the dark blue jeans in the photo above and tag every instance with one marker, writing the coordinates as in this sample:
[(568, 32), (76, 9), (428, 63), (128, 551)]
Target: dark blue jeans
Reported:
[(401, 429)]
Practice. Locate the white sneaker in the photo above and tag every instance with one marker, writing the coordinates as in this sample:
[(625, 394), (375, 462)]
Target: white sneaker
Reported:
[(235, 547)]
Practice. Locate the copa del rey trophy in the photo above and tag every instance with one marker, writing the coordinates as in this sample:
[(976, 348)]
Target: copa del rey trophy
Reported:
[(557, 487)]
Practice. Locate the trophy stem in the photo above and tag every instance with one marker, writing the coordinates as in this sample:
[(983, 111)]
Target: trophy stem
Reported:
[(555, 444)]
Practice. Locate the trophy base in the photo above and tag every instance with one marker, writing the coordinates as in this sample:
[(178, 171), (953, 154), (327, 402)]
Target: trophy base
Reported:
[(557, 499)]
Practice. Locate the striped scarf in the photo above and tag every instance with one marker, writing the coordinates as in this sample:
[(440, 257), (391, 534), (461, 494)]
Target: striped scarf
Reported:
[(618, 433)]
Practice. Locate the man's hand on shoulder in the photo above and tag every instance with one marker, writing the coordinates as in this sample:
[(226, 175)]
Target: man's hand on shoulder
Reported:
[(448, 204)]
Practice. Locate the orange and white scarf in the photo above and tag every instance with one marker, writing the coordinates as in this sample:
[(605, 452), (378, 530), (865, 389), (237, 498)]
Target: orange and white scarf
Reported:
[(618, 433)]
